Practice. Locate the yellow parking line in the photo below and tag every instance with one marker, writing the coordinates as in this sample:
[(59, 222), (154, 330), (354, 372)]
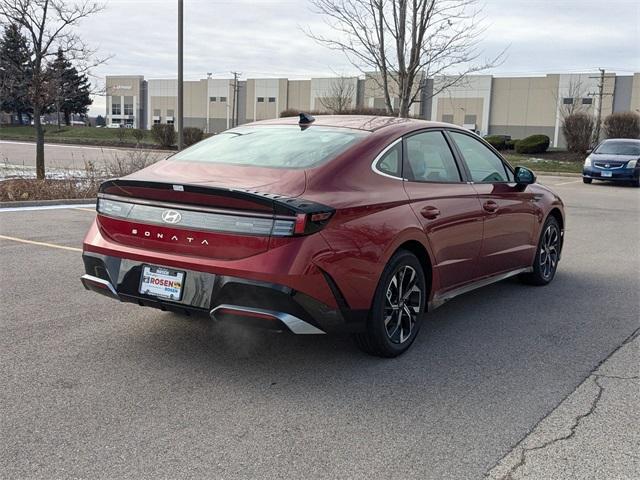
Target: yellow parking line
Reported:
[(42, 244)]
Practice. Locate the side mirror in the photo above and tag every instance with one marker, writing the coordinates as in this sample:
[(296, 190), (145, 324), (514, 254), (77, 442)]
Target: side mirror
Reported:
[(524, 176)]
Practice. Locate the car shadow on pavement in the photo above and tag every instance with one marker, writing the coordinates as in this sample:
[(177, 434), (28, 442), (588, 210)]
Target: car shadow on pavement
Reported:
[(521, 334)]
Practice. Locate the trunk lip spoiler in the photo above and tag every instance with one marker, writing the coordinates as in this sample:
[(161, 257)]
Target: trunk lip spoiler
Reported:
[(192, 208), (281, 205)]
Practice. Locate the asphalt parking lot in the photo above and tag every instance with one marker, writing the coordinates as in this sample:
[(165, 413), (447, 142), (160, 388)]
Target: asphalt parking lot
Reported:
[(96, 389)]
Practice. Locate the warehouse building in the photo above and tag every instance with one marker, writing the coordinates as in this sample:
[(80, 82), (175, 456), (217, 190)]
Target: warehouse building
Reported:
[(489, 105)]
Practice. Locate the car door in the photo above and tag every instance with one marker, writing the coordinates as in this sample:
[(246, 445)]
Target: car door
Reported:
[(510, 210), (446, 205)]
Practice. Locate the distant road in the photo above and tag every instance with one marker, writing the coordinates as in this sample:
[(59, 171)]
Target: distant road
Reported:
[(64, 156)]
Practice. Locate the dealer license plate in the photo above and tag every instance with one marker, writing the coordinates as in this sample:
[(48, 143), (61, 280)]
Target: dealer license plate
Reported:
[(605, 174), (161, 282)]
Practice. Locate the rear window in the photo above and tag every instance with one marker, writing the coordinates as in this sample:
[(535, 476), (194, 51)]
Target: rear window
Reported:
[(619, 148), (277, 146)]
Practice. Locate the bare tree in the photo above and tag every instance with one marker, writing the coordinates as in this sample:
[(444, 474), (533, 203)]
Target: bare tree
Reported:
[(49, 27), (404, 40), (339, 96), (573, 97)]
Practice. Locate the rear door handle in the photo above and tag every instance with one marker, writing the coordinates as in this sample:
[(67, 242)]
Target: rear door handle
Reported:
[(490, 206), (429, 212)]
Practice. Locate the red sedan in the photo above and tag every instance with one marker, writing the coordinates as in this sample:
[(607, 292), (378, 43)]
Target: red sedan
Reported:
[(335, 224)]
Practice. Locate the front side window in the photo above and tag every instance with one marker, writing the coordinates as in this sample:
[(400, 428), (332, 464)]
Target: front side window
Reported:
[(276, 146), (484, 165), (429, 159)]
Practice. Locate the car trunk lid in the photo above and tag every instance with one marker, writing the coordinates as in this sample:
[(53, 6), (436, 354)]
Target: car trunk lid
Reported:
[(201, 210)]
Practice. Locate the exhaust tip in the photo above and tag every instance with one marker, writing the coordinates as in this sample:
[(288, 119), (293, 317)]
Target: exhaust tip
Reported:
[(99, 285), (260, 317)]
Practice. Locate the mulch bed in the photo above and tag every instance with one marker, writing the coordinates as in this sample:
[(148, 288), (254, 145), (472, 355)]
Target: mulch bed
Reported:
[(558, 155), (21, 189)]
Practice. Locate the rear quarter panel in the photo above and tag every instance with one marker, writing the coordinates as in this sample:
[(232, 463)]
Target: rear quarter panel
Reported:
[(373, 218)]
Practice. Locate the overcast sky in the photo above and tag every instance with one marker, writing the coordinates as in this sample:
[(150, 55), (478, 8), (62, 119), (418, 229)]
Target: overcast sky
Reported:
[(263, 38)]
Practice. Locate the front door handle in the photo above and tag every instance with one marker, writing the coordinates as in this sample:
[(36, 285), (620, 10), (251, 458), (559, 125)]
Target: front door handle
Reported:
[(430, 212), (490, 206)]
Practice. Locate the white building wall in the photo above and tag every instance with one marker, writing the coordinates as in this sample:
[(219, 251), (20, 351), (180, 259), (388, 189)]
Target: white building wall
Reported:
[(474, 86)]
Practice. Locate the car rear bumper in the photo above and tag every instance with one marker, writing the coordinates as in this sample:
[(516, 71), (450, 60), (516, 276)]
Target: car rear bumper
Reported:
[(619, 174), (223, 297)]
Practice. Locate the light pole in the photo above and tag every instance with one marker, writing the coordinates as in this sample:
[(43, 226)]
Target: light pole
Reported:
[(180, 76), (208, 100)]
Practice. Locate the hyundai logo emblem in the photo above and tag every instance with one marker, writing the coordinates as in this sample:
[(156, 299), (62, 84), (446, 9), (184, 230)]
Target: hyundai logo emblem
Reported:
[(171, 216)]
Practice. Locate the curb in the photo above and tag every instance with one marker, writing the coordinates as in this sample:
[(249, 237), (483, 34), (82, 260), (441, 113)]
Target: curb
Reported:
[(47, 203), (107, 146)]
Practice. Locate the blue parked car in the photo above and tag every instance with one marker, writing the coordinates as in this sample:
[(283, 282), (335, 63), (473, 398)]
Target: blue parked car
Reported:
[(615, 159)]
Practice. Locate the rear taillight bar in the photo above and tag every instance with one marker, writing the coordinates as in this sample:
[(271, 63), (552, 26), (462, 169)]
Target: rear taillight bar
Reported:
[(210, 219)]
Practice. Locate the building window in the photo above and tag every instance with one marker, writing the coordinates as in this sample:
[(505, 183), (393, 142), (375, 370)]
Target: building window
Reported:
[(272, 99), (213, 99), (587, 101), (115, 121), (470, 119), (260, 99), (169, 122), (447, 118), (115, 109), (223, 99), (169, 113), (128, 109), (567, 101), (156, 121), (156, 112)]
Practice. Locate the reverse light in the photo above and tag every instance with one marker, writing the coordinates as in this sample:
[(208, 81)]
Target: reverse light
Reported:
[(632, 164)]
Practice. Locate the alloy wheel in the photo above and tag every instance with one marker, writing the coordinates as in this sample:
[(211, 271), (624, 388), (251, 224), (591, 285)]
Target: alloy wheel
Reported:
[(403, 301), (549, 246)]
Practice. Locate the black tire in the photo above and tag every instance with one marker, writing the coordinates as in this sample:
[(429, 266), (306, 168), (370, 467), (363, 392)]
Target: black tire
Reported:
[(636, 182), (547, 256), (394, 337), (587, 180)]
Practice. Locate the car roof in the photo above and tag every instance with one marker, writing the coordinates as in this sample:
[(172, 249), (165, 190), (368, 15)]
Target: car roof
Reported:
[(370, 123), (626, 140)]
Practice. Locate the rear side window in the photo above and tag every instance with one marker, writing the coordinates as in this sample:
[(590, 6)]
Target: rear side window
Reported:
[(429, 159), (484, 165), (277, 146), (391, 161)]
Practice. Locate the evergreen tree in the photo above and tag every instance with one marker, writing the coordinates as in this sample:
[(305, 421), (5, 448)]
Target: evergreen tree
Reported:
[(70, 89), (100, 121), (15, 73)]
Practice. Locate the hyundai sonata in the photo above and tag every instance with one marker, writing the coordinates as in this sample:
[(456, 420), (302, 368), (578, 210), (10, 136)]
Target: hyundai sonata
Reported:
[(346, 224)]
